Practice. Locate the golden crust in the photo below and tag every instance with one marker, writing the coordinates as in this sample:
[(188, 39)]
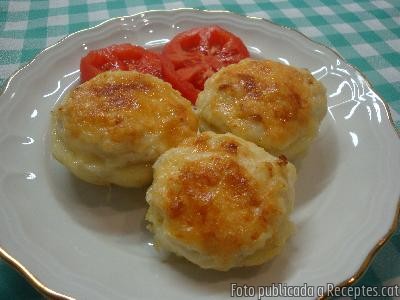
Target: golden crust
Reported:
[(221, 202), (122, 118), (276, 106)]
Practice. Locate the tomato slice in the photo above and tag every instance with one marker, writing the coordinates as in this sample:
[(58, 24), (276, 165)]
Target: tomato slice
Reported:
[(191, 57), (120, 57)]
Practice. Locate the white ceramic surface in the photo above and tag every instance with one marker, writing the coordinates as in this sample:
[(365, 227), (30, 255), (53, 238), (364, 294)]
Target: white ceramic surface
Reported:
[(90, 242)]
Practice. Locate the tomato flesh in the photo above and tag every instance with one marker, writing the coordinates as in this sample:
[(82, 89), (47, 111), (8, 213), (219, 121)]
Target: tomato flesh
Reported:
[(191, 57), (120, 57)]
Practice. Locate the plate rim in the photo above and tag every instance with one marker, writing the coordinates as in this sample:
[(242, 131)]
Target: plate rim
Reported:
[(48, 292)]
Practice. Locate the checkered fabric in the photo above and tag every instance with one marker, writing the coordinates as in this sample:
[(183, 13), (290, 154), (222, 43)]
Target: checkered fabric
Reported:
[(365, 33)]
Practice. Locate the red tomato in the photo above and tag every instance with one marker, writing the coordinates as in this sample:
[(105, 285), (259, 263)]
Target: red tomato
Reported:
[(120, 57), (194, 55)]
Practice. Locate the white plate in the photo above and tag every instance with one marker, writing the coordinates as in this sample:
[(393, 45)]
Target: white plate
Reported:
[(91, 243)]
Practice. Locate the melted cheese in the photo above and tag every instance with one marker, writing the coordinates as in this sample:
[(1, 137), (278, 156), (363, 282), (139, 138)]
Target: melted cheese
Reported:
[(276, 106)]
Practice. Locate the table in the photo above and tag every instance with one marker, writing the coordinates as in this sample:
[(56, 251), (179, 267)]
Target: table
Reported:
[(365, 33)]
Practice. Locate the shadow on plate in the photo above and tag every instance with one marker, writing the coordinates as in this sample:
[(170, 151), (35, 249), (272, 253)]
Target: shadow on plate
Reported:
[(317, 168), (255, 275), (109, 210)]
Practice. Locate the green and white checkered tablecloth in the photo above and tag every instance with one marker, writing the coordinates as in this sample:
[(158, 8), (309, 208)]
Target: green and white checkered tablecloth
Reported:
[(365, 33)]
